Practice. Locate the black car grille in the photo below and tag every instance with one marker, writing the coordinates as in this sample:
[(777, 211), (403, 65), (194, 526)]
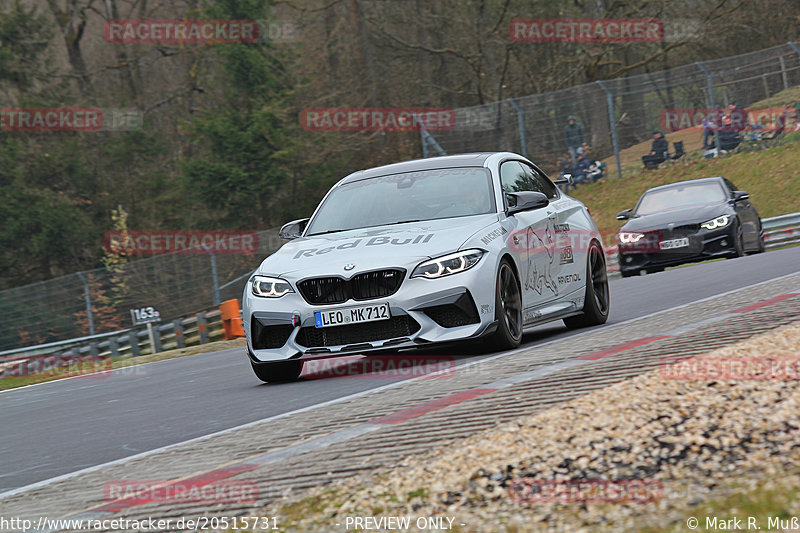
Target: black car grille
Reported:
[(270, 336), (366, 286), (397, 326)]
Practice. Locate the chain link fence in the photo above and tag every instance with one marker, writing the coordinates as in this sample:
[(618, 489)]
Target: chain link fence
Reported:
[(613, 114), (620, 113), (99, 301)]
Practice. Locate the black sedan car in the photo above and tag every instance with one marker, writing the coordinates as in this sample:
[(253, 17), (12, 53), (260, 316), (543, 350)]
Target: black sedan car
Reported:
[(686, 222)]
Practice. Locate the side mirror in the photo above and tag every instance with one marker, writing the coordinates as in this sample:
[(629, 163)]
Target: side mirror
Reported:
[(624, 215), (565, 178), (294, 229), (526, 201), (739, 196)]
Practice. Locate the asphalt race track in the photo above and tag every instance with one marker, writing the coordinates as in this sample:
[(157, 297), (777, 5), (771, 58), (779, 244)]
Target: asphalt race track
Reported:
[(60, 427)]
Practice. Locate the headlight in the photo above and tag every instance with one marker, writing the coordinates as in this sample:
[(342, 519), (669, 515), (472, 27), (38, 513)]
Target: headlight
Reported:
[(266, 287), (627, 237), (719, 222), (447, 264)]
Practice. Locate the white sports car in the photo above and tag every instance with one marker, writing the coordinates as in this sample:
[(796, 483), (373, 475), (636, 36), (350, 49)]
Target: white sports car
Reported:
[(437, 250)]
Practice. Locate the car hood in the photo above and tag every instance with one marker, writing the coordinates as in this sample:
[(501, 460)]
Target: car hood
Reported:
[(399, 245), (690, 215)]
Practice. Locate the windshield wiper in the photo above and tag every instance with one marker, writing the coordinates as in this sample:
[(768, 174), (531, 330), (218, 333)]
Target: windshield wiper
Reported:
[(348, 229), (329, 231)]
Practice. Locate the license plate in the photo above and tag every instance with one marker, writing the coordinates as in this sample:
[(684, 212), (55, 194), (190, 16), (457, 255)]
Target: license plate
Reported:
[(352, 315), (674, 243)]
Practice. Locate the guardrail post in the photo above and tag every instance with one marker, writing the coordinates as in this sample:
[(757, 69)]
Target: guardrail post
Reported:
[(133, 340), (113, 347), (155, 338), (521, 126), (93, 349), (783, 72), (88, 297), (612, 122), (177, 325), (202, 328)]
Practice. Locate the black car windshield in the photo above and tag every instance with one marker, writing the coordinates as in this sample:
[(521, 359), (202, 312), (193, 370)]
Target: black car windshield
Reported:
[(407, 197), (680, 196)]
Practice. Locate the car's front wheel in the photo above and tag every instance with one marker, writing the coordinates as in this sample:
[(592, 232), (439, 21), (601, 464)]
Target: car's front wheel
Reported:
[(738, 243), (278, 371), (597, 298), (508, 309)]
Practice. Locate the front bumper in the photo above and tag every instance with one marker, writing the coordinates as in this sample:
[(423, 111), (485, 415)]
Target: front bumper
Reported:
[(423, 311), (703, 245)]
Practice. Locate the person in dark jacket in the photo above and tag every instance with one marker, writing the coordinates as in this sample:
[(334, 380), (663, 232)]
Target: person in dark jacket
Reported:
[(580, 169), (658, 151), (573, 137)]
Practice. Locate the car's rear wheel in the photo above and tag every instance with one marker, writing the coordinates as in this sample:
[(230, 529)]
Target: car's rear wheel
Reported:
[(762, 246), (508, 309), (597, 298), (278, 371)]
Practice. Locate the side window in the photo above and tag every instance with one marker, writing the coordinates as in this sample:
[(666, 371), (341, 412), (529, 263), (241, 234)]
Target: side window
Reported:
[(541, 183), (731, 187), (513, 177)]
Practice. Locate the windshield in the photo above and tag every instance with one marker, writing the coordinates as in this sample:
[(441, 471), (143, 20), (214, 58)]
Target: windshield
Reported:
[(679, 197), (408, 197)]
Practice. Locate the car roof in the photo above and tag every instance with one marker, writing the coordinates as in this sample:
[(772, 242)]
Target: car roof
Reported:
[(428, 163), (696, 180)]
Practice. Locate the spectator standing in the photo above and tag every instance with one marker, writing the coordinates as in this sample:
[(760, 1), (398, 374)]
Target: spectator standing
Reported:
[(573, 137)]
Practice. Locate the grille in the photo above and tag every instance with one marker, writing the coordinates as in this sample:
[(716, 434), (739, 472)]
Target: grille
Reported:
[(366, 286), (459, 313), (274, 336), (397, 326)]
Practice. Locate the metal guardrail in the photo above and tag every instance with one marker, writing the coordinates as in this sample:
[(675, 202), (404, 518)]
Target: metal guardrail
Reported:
[(200, 328), (778, 231)]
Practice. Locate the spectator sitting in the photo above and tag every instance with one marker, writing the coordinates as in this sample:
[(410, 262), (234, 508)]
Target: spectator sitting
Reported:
[(728, 135), (658, 151), (580, 169)]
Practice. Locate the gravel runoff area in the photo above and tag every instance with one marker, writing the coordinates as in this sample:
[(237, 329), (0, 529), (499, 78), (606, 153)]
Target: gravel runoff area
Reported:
[(643, 453)]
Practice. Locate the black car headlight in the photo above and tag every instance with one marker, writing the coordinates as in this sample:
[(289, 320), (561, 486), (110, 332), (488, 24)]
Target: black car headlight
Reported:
[(447, 264), (628, 237), (267, 287), (719, 222)]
